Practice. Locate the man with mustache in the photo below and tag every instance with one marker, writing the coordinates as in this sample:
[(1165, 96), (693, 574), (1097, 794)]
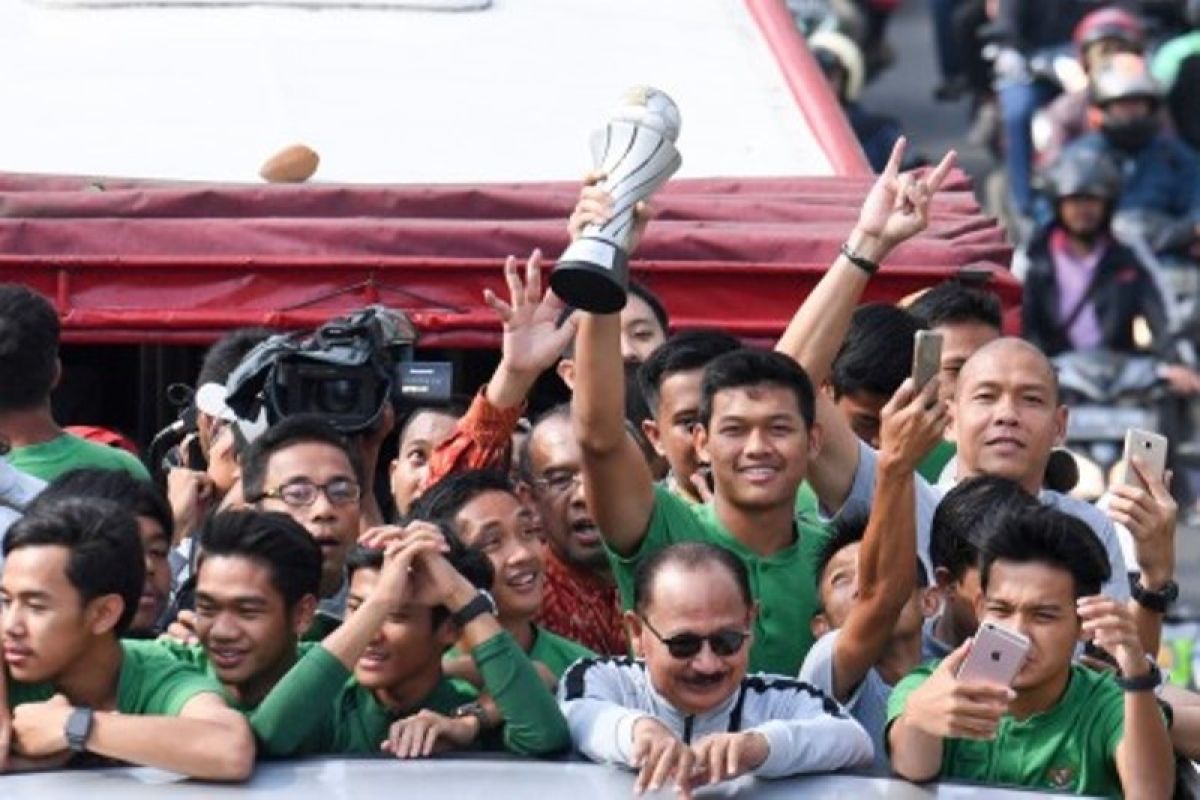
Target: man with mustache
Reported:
[(687, 713)]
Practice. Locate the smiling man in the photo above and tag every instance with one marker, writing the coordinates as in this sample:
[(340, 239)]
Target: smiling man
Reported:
[(304, 468), (687, 714)]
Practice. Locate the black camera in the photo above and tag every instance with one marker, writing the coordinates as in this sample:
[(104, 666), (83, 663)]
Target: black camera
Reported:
[(345, 371)]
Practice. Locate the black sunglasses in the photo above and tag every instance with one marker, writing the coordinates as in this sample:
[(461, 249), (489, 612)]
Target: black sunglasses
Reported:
[(687, 645)]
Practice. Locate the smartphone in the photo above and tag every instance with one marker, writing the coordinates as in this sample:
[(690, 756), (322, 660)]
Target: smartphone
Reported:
[(927, 357), (996, 656), (1151, 448)]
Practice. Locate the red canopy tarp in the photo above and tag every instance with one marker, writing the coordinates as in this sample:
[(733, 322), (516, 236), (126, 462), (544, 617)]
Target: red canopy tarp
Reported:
[(137, 261)]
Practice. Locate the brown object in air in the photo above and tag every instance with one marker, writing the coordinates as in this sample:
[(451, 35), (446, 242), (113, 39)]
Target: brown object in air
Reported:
[(293, 164)]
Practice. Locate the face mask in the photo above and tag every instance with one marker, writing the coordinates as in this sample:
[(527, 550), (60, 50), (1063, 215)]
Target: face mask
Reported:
[(1130, 135)]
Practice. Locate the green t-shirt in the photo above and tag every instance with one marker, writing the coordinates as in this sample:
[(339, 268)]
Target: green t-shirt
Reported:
[(195, 656), (932, 465), (64, 453), (318, 707), (1072, 747), (152, 682), (322, 625), (556, 652), (784, 584)]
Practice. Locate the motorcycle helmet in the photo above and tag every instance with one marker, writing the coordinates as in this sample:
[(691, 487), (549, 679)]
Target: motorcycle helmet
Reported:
[(833, 49), (1110, 23), (1125, 77), (1081, 172)]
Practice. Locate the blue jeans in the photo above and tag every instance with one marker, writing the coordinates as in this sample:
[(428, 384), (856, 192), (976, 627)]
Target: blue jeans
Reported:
[(941, 13), (1018, 102)]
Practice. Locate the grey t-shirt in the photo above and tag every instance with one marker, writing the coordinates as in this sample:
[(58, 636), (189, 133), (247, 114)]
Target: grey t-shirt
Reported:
[(868, 703), (928, 496)]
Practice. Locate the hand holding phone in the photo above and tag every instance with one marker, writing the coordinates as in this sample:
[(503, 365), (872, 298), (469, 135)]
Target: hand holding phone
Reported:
[(997, 655), (1151, 450), (927, 357)]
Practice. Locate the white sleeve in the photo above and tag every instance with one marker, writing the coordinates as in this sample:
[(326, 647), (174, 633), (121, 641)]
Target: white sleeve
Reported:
[(590, 697), (809, 732)]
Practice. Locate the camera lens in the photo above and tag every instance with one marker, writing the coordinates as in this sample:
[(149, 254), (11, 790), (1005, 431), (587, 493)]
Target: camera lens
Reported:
[(338, 396)]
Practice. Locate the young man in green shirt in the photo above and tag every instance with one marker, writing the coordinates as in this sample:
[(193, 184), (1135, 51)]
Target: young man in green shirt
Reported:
[(1060, 726), (485, 511), (257, 583), (29, 371), (72, 576), (377, 680)]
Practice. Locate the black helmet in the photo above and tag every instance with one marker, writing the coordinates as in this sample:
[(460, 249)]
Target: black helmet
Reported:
[(1126, 77), (1081, 172)]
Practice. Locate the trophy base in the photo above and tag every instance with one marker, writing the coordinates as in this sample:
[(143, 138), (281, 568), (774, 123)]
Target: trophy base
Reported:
[(590, 286)]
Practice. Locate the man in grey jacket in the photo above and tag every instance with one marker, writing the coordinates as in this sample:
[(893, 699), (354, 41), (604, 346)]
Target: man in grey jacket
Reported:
[(687, 712)]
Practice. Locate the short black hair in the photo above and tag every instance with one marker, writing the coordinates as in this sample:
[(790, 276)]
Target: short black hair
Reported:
[(751, 366), (451, 408), (442, 501), (525, 453), (29, 334), (141, 498), (289, 431), (636, 289), (470, 563), (105, 548), (688, 555), (955, 301), (968, 517), (275, 540), (227, 352), (876, 355), (845, 530), (683, 352), (1048, 536)]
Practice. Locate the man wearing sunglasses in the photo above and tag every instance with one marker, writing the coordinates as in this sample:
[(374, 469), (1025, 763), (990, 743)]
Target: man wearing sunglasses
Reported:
[(687, 713)]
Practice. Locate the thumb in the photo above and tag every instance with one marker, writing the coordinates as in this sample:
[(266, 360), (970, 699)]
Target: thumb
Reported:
[(954, 661), (901, 398)]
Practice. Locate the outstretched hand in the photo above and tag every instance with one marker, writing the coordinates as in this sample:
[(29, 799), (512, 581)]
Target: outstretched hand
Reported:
[(533, 340), (897, 207)]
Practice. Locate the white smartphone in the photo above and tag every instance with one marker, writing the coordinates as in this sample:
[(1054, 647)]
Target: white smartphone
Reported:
[(996, 656), (927, 357), (1151, 448)]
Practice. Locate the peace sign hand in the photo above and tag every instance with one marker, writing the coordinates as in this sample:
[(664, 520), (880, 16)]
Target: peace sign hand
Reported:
[(897, 207)]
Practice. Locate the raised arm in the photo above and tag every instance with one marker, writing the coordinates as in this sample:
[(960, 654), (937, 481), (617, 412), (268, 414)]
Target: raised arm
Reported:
[(887, 557), (616, 479), (895, 210), (532, 342)]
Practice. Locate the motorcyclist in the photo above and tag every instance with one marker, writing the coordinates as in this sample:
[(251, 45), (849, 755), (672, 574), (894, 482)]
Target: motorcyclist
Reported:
[(1098, 36), (1161, 175)]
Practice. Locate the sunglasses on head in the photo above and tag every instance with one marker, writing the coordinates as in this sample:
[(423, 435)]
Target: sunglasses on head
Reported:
[(687, 645)]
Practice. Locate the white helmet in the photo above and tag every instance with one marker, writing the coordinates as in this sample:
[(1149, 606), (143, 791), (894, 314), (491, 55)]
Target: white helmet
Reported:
[(843, 49)]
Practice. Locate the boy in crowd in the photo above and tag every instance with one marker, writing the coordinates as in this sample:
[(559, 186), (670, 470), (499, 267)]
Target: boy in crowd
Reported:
[(425, 429), (581, 601), (153, 516), (871, 585), (687, 713), (486, 513), (29, 371), (377, 681), (72, 577), (670, 383), (1060, 726)]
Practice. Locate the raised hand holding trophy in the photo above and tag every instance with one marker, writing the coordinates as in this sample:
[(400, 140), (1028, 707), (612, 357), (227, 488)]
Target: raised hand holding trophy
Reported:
[(636, 152)]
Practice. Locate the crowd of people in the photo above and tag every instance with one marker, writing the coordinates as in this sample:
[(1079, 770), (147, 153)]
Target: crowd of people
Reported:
[(714, 561)]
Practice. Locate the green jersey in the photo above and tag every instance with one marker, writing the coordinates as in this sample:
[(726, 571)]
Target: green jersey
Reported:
[(1070, 747), (318, 707), (151, 682), (64, 453), (195, 656), (556, 652), (784, 584)]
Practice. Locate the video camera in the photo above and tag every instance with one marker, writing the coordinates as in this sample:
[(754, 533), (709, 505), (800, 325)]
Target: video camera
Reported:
[(345, 371)]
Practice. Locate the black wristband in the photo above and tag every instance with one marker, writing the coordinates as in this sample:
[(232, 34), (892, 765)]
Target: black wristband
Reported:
[(865, 264), (1142, 683)]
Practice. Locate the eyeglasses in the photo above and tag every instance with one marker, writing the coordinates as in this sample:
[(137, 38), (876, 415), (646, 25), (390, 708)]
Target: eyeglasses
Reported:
[(303, 492), (687, 645), (558, 483)]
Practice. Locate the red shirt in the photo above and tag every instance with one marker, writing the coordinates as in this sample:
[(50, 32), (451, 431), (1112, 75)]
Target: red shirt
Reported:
[(582, 607)]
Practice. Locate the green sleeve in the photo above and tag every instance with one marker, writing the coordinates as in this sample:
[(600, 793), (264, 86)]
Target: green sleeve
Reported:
[(190, 654), (174, 689), (899, 696), (1108, 719), (297, 717), (533, 725), (668, 524), (155, 683)]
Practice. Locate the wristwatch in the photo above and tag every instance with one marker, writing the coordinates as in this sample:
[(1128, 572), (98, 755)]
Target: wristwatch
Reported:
[(482, 603), (79, 728), (1157, 600), (1142, 683), (473, 709)]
